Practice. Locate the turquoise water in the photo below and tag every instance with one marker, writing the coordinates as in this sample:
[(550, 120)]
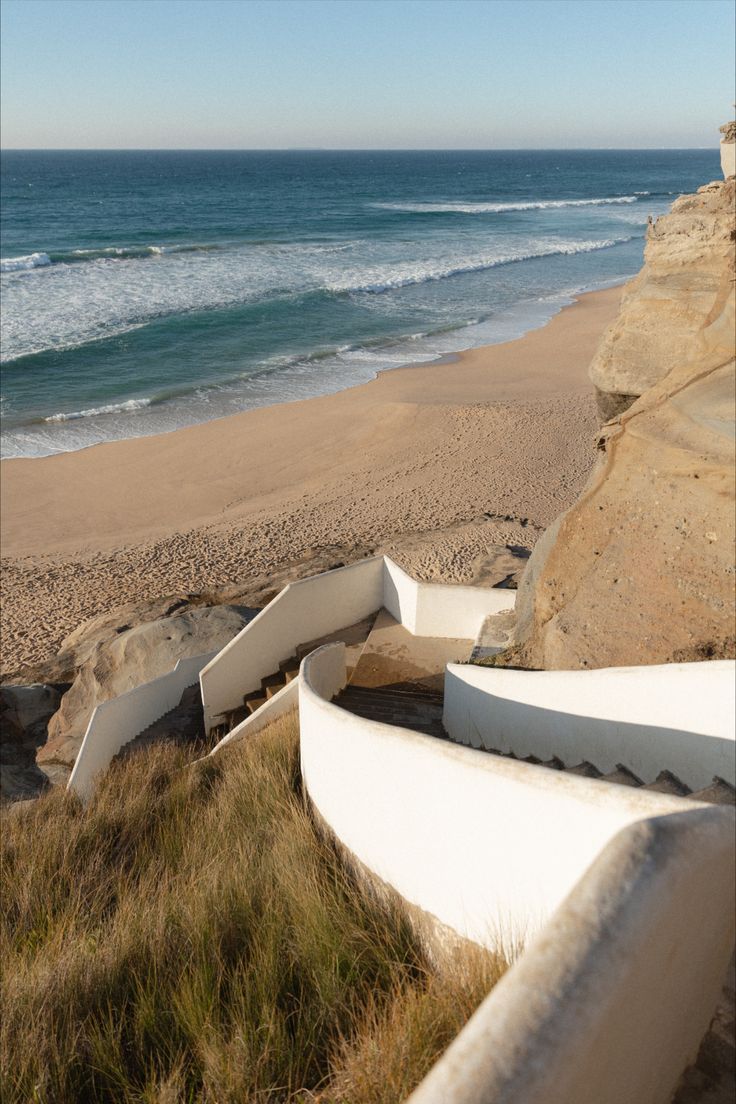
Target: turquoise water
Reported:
[(143, 291)]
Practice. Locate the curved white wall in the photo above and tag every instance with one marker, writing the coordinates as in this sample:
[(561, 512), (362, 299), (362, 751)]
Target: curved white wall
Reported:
[(482, 843), (629, 894), (609, 1004), (679, 716)]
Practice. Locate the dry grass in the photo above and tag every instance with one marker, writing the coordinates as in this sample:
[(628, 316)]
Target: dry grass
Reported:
[(188, 936)]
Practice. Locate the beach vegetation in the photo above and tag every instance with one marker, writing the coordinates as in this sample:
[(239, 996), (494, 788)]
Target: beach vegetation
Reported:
[(191, 935)]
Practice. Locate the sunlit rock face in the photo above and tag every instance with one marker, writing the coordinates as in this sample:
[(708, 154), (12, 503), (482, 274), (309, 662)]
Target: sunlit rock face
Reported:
[(641, 569), (666, 311)]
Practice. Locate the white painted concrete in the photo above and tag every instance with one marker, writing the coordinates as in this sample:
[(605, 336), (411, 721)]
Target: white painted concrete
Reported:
[(627, 893), (484, 844), (439, 609), (283, 702), (324, 603), (303, 611), (679, 717), (609, 1003), (728, 159), (115, 723)]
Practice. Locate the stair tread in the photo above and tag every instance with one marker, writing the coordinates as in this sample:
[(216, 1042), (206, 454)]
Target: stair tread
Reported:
[(718, 793), (584, 769), (253, 704), (397, 691), (668, 783), (622, 776)]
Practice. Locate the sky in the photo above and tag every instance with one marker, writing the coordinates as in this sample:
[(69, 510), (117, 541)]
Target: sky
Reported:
[(365, 74)]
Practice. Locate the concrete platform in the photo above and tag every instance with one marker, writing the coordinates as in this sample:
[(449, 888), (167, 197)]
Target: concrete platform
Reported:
[(392, 657)]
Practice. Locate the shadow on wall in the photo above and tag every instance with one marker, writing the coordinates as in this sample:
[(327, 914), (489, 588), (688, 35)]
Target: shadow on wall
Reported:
[(484, 720)]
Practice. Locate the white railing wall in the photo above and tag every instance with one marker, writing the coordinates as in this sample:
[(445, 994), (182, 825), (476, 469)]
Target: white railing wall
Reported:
[(302, 611), (440, 609), (626, 895), (116, 722), (283, 702), (480, 842), (322, 604), (678, 716), (611, 1001)]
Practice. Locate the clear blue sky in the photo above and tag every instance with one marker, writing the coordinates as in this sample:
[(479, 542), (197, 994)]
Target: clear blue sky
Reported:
[(244, 74)]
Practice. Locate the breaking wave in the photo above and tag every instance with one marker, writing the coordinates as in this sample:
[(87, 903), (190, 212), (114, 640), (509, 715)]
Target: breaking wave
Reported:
[(388, 280), (500, 208), (128, 407), (21, 264)]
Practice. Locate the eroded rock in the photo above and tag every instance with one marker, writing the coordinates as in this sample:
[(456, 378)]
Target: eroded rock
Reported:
[(640, 569), (667, 310), (122, 658)]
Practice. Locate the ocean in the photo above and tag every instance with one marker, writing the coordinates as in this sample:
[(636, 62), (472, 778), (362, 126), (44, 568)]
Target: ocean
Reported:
[(143, 291)]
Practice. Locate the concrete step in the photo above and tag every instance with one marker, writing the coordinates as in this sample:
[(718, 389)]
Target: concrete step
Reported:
[(253, 703), (389, 694), (668, 783), (183, 724), (622, 776), (584, 769), (718, 793), (419, 712)]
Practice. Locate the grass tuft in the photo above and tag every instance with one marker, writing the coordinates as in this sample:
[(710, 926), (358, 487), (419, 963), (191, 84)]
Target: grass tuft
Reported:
[(190, 936)]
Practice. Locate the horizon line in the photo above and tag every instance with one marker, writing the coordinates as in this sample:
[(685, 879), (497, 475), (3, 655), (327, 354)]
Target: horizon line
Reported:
[(342, 149)]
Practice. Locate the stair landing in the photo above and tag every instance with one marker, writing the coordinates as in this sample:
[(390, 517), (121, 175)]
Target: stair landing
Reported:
[(393, 658)]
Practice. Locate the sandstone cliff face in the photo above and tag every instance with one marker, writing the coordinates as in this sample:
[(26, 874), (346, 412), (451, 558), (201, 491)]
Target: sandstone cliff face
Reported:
[(666, 310), (641, 568)]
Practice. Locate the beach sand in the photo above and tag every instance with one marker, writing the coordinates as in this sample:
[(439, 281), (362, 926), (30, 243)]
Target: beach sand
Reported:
[(438, 464)]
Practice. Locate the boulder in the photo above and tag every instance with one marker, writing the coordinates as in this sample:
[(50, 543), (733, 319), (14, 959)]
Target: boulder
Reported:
[(116, 658), (24, 717)]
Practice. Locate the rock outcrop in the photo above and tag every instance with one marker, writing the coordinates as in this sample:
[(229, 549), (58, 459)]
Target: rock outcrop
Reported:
[(115, 657), (641, 569), (667, 310), (24, 715)]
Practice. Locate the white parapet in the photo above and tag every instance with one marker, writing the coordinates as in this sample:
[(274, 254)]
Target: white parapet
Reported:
[(481, 842), (302, 611), (676, 716), (610, 1002), (622, 896), (728, 158), (323, 604), (116, 722)]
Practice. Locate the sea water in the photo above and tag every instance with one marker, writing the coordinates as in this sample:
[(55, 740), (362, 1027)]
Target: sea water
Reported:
[(143, 291)]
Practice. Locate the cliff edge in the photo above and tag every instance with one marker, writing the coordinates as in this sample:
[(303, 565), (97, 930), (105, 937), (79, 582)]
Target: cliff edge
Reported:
[(641, 568)]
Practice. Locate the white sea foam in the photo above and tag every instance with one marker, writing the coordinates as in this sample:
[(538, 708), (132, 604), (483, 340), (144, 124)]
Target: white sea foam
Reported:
[(20, 264), (377, 280), (76, 304), (281, 379), (500, 208), (130, 406)]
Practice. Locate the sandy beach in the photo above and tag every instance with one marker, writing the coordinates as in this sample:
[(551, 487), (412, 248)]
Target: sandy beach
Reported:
[(439, 464)]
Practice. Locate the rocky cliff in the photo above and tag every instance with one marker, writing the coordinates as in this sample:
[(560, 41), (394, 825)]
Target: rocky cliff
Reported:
[(665, 316), (641, 568)]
